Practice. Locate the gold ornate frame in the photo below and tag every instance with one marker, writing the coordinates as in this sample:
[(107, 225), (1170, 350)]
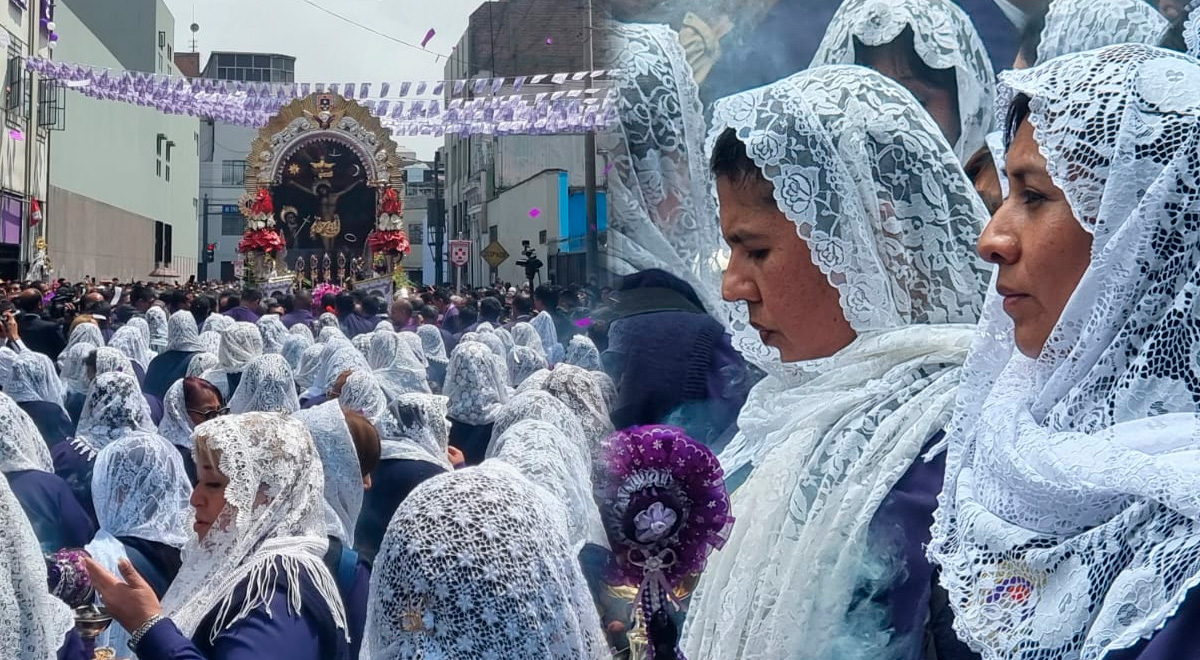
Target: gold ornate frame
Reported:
[(323, 117)]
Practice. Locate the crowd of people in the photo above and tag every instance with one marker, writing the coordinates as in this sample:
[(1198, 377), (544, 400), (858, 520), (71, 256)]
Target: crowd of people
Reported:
[(901, 364)]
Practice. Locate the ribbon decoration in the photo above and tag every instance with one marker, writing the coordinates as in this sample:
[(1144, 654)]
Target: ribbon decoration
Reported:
[(253, 104)]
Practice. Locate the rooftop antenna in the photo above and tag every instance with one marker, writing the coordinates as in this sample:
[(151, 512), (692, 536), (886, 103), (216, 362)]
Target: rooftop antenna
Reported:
[(195, 27)]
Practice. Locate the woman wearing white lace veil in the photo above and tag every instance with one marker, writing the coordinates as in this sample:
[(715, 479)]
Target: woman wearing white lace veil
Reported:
[(544, 324), (427, 603), (885, 34), (306, 371), (413, 449), (217, 323), (270, 387), (115, 408), (476, 390), (253, 576), (582, 353), (202, 362), (273, 332), (361, 342), (303, 331), (546, 457), (106, 359), (240, 344), (37, 390), (190, 402), (418, 347), (525, 362), (34, 625), (852, 226), (576, 388), (494, 343), (72, 371), (85, 333), (392, 360), (143, 328), (211, 341), (156, 318), (141, 491), (327, 320), (57, 518), (339, 438), (128, 340), (361, 392), (526, 335), (183, 343), (1073, 26), (293, 349), (1069, 520), (434, 347), (337, 357), (663, 213)]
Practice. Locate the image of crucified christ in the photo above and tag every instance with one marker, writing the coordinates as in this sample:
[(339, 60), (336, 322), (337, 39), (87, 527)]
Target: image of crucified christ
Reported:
[(328, 225)]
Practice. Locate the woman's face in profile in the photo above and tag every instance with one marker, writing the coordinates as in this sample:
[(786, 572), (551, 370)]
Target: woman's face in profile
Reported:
[(791, 302), (1041, 250)]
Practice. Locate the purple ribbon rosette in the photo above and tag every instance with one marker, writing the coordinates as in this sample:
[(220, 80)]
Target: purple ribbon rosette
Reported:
[(665, 509), (69, 580)]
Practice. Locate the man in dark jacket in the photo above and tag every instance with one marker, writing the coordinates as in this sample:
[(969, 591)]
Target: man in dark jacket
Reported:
[(38, 334)]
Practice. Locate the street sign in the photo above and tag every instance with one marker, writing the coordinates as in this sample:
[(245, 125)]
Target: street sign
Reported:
[(460, 253), (239, 268), (494, 254), (229, 209)]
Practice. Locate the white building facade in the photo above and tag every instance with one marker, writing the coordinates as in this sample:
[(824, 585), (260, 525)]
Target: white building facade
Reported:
[(124, 189)]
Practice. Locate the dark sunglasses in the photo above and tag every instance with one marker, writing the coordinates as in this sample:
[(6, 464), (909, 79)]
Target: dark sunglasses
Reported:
[(209, 415)]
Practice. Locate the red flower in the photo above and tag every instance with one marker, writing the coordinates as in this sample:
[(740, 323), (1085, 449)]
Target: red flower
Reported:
[(391, 203), (262, 240), (389, 242), (262, 203)]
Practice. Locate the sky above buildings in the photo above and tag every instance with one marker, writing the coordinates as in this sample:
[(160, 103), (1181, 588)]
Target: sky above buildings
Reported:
[(328, 49)]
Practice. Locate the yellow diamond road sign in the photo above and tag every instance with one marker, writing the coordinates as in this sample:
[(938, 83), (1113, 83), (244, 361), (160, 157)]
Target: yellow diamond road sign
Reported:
[(494, 254)]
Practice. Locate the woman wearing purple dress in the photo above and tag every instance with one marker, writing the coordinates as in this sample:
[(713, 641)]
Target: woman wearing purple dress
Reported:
[(253, 584), (1068, 526), (57, 518)]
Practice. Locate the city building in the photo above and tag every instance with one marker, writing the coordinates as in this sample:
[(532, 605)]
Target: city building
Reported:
[(15, 149), (510, 189), (223, 148), (123, 191)]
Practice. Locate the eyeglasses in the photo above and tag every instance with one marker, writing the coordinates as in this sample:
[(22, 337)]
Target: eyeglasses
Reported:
[(209, 415)]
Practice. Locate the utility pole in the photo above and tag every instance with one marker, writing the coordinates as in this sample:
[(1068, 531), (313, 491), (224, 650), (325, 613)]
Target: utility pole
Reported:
[(438, 221), (31, 134), (592, 240)]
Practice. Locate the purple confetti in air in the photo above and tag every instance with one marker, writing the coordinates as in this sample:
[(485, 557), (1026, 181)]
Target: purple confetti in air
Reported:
[(534, 212), (608, 168), (549, 41), (428, 36)]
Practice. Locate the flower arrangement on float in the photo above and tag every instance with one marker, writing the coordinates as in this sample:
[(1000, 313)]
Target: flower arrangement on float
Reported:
[(389, 238), (261, 235), (319, 293)]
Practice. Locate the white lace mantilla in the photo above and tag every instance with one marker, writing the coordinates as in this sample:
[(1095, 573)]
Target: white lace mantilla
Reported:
[(497, 578), (944, 38), (1069, 526)]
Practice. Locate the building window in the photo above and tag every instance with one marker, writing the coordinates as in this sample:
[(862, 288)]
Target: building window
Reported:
[(494, 233), (416, 233), (167, 172), (232, 224), (542, 237), (233, 172), (227, 271)]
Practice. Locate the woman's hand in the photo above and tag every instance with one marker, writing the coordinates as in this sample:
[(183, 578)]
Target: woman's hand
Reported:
[(456, 456), (131, 602)]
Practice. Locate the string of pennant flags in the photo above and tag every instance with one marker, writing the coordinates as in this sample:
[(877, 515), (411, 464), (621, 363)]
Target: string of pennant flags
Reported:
[(83, 74), (539, 104)]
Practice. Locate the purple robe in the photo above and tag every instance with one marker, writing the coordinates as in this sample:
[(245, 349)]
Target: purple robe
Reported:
[(471, 440), (299, 316), (242, 314), (51, 420), (391, 482), (57, 518), (76, 470), (164, 370), (271, 633), (354, 325)]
